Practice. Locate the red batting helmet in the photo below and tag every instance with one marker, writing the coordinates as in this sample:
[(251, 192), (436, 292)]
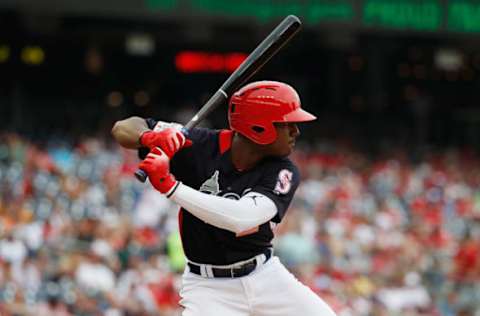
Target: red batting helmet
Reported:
[(254, 108)]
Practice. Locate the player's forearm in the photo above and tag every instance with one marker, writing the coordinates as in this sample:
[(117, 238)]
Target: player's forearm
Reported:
[(127, 132), (237, 216)]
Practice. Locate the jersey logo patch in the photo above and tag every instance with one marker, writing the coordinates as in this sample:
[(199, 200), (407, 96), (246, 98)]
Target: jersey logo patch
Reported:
[(211, 185), (284, 182)]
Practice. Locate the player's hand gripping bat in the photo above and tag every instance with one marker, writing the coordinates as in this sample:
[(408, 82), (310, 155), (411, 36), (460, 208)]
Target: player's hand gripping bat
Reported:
[(254, 62)]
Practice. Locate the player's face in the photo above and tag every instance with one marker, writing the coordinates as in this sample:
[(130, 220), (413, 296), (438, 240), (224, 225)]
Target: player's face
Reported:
[(286, 135)]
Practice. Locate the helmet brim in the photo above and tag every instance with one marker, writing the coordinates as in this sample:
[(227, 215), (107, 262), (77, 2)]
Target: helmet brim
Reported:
[(299, 115)]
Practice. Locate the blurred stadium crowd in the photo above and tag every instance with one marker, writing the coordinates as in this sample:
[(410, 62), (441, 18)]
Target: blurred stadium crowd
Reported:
[(372, 236)]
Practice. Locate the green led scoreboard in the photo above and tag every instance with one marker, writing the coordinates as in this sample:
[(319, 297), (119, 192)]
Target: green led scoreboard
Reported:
[(415, 15)]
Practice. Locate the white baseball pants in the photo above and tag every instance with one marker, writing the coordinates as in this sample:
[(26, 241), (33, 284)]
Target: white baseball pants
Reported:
[(270, 290)]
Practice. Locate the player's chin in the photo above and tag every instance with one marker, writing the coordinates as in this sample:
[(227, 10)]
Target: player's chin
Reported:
[(281, 149), (286, 151)]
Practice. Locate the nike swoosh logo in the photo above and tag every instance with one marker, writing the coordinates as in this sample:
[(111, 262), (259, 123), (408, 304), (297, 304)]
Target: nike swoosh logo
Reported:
[(254, 198)]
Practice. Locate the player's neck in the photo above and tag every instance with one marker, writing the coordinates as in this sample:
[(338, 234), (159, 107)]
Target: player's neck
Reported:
[(244, 154)]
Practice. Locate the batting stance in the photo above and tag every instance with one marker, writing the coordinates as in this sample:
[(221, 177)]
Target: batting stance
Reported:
[(233, 187)]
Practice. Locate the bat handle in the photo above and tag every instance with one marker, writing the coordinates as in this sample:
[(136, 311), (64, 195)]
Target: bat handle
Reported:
[(142, 175), (185, 132)]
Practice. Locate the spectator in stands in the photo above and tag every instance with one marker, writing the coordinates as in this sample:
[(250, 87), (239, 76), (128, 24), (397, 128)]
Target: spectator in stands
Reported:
[(373, 237)]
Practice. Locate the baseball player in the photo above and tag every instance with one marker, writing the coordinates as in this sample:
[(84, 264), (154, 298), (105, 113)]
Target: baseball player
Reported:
[(233, 187)]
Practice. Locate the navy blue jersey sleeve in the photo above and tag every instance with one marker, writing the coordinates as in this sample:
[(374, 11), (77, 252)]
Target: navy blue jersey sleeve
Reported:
[(151, 123), (279, 183)]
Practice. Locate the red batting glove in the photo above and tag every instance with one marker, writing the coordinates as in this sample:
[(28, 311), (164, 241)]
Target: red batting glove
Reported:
[(170, 140), (157, 167)]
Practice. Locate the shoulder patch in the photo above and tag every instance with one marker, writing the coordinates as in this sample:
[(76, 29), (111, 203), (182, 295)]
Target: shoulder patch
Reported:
[(284, 182)]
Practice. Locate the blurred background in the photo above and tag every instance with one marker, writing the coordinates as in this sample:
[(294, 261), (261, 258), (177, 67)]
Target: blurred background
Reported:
[(386, 220)]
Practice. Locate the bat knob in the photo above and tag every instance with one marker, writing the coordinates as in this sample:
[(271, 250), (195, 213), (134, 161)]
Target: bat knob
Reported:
[(141, 175)]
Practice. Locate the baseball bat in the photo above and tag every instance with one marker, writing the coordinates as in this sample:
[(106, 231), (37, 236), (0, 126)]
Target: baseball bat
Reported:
[(250, 66)]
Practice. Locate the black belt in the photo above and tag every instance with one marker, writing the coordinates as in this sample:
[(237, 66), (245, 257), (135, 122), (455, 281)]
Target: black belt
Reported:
[(236, 272)]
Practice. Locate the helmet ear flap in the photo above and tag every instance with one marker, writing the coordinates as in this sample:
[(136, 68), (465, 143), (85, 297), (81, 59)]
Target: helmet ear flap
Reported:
[(263, 135), (270, 133)]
